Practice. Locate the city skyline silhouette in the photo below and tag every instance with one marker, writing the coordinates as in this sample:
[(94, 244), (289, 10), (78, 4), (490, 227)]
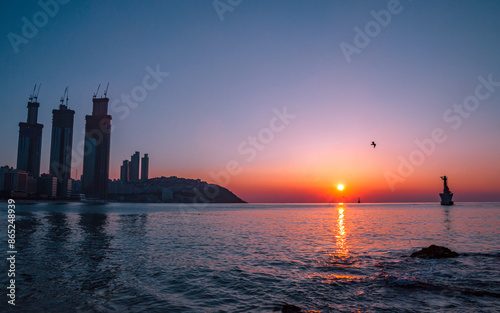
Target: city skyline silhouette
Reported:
[(194, 92)]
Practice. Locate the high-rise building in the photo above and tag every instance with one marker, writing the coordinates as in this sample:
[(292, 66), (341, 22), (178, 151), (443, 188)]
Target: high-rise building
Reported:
[(29, 149), (61, 148), (145, 167), (134, 167), (12, 180), (47, 186), (97, 148), (124, 171)]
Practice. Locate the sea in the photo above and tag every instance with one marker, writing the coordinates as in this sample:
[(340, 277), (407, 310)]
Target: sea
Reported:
[(135, 257)]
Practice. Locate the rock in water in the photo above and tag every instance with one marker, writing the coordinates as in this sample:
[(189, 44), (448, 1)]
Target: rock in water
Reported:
[(290, 308), (434, 252)]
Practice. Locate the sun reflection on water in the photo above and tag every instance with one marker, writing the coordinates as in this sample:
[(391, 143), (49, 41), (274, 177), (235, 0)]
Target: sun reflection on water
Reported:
[(333, 278), (342, 249), (341, 264)]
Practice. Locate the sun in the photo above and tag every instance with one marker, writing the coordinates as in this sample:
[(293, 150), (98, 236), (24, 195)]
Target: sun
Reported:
[(340, 187)]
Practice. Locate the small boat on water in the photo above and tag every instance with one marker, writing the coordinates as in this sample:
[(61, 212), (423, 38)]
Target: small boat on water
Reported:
[(447, 195)]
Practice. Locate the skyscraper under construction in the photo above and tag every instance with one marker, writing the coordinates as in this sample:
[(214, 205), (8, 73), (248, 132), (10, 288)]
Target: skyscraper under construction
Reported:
[(30, 139), (62, 147), (97, 148)]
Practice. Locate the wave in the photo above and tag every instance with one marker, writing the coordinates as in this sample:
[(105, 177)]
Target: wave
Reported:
[(414, 284)]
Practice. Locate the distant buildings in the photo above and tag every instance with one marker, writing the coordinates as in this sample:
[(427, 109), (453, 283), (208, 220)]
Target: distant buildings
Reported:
[(16, 183), (26, 181), (124, 171), (12, 180), (30, 140), (61, 148), (134, 167), (47, 186), (129, 171), (97, 149), (144, 167)]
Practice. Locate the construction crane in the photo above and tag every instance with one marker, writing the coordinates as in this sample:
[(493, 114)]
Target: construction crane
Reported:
[(66, 93), (106, 91), (38, 91), (95, 94), (34, 94)]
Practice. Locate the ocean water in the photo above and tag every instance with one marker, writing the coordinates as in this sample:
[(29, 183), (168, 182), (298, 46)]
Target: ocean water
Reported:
[(253, 258)]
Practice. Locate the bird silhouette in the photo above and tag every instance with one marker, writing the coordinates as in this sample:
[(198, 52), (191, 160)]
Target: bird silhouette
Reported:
[(374, 144)]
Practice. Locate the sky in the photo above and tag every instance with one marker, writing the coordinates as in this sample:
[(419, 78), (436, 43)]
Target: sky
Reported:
[(278, 101)]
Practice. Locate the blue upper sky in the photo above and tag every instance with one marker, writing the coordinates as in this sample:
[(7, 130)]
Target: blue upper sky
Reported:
[(226, 76)]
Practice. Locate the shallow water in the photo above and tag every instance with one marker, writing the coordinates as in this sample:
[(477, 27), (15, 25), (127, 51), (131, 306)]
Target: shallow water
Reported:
[(254, 258)]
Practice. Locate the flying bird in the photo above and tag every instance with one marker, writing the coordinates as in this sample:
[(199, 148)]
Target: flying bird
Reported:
[(374, 144)]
